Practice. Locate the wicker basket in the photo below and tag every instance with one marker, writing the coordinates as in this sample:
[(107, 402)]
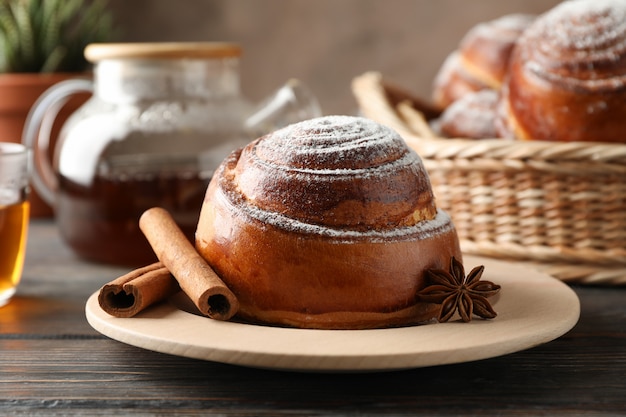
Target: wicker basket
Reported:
[(559, 206)]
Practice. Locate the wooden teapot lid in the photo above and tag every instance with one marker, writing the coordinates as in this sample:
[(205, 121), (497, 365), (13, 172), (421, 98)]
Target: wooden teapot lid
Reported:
[(162, 50)]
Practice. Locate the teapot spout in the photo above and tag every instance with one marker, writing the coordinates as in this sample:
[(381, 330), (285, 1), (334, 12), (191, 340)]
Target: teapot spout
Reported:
[(291, 103)]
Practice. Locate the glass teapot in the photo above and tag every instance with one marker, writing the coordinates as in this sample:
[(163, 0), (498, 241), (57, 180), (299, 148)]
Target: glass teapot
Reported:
[(161, 118)]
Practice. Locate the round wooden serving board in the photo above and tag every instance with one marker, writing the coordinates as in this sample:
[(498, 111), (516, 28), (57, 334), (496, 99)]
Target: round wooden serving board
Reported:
[(533, 308)]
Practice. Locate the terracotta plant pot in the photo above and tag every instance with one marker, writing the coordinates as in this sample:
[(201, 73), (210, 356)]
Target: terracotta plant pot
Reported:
[(18, 92)]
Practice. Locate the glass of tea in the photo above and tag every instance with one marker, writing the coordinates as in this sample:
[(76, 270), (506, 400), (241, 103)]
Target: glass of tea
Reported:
[(13, 216)]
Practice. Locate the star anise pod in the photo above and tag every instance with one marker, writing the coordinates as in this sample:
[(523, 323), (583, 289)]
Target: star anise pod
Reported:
[(456, 292)]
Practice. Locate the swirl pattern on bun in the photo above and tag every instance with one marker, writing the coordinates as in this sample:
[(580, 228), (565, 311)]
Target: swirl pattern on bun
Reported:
[(567, 76), (328, 223), (337, 173)]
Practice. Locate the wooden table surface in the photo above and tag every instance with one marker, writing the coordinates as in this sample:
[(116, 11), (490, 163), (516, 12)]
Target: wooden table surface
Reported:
[(53, 363)]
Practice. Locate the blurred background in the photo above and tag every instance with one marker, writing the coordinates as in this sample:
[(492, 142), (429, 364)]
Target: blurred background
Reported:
[(324, 43)]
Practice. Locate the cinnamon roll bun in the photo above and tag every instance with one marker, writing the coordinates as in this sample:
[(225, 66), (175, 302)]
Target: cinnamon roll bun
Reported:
[(481, 60), (567, 76), (472, 116), (329, 223)]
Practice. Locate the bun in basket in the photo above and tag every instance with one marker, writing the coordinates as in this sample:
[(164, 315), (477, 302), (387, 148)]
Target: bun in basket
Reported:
[(473, 116), (481, 60), (567, 76), (328, 223)]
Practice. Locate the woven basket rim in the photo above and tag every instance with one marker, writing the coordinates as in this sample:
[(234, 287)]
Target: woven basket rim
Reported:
[(369, 92)]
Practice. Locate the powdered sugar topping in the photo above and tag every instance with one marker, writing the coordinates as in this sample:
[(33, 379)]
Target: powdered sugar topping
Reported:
[(333, 143), (423, 230), (577, 41), (586, 24), (334, 174)]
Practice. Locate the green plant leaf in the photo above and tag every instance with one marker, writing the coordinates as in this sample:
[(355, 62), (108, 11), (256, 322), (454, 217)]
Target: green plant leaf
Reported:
[(50, 35), (54, 60)]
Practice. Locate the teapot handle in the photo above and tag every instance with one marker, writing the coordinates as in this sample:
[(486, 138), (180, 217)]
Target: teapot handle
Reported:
[(38, 128)]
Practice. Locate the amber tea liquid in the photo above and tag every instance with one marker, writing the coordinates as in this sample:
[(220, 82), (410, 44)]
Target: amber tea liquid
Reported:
[(99, 201), (101, 222), (13, 231)]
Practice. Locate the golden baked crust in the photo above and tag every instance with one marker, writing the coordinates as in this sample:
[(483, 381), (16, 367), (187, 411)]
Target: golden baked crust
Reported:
[(481, 60), (487, 47), (329, 223), (567, 76)]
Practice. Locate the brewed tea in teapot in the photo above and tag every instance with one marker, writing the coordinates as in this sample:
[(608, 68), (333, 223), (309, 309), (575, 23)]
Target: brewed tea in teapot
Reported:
[(160, 120)]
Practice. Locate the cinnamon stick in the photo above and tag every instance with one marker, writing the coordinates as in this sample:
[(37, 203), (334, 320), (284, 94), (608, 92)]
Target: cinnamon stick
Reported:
[(195, 277), (131, 293)]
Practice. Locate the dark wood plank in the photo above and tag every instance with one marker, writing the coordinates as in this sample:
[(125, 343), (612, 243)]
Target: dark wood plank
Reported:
[(88, 372)]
